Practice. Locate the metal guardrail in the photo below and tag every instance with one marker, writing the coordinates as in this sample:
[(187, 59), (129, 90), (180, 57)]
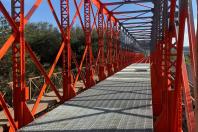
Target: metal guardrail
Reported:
[(35, 83)]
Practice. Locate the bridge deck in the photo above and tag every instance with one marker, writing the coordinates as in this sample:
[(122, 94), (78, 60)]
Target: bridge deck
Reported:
[(121, 103)]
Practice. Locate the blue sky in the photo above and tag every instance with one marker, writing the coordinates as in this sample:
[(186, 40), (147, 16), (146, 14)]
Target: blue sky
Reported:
[(43, 13)]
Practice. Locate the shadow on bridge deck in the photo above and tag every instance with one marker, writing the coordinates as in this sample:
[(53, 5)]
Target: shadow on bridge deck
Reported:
[(121, 103)]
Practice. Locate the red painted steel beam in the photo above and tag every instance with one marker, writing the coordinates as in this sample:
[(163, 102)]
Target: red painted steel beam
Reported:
[(192, 37), (109, 46), (102, 74), (79, 15), (21, 112), (95, 17), (22, 115), (118, 49), (134, 18), (65, 39), (172, 14), (165, 118), (130, 12), (7, 45), (81, 64), (22, 66), (178, 94), (135, 23), (55, 62), (115, 46), (99, 5), (89, 61), (127, 2), (32, 10), (8, 18), (42, 70), (77, 12), (43, 88), (193, 55), (139, 30), (7, 113), (134, 27), (11, 39), (170, 118), (68, 89), (196, 85), (190, 115)]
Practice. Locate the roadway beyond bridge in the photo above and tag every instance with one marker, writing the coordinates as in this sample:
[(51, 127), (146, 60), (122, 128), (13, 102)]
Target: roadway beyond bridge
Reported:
[(121, 103)]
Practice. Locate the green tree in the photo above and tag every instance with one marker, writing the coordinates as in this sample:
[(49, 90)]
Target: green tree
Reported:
[(44, 39)]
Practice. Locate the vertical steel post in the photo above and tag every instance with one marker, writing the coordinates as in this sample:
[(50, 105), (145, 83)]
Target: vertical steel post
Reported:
[(118, 47), (87, 24), (196, 72), (115, 32), (178, 80), (193, 55), (102, 74), (22, 115), (22, 64), (109, 46), (160, 68), (170, 117), (16, 64), (68, 89), (196, 76)]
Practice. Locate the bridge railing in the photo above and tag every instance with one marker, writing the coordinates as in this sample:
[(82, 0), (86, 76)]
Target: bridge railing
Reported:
[(170, 83)]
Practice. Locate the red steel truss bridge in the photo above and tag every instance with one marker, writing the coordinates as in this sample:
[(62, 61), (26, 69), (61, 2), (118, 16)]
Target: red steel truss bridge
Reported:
[(137, 81)]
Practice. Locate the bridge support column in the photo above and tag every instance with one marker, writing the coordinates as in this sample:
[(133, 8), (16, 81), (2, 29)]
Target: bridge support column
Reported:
[(156, 78), (116, 39), (193, 39), (89, 57), (119, 49), (102, 74), (22, 115), (68, 89), (109, 47), (170, 119)]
